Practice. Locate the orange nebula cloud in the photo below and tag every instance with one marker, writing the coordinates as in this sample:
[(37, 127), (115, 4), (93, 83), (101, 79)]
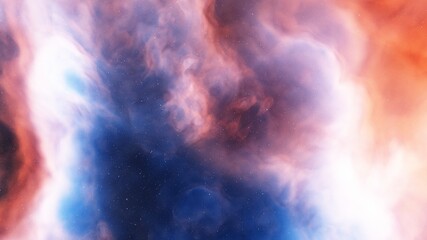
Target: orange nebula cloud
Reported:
[(21, 164)]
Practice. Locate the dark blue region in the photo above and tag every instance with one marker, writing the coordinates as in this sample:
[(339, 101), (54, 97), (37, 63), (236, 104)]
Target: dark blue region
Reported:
[(152, 186)]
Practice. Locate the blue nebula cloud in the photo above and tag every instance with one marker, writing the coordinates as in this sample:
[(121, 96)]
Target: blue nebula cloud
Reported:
[(151, 185)]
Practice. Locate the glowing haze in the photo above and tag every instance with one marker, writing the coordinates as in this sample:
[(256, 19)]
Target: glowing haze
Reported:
[(213, 119)]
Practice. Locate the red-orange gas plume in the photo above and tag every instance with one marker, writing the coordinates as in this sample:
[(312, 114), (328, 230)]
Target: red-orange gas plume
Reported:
[(20, 163), (394, 74)]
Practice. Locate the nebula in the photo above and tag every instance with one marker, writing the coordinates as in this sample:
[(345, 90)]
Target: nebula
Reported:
[(212, 119)]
